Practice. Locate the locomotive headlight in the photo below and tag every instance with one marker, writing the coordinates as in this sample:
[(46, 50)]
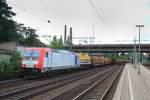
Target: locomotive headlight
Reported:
[(24, 65)]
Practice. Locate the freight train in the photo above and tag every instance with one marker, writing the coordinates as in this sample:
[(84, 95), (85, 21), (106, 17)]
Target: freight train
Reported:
[(47, 59)]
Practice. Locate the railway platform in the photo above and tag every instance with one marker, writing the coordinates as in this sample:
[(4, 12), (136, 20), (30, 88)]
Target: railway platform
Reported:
[(133, 86)]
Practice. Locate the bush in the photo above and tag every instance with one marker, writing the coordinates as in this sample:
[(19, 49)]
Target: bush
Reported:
[(10, 68), (4, 68)]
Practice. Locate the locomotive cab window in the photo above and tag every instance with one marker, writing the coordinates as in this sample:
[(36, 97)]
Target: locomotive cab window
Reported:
[(46, 54)]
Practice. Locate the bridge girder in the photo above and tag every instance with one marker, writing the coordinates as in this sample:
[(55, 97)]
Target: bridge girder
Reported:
[(110, 48)]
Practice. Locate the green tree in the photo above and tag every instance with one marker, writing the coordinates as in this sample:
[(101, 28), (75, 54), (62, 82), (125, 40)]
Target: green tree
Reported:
[(7, 25), (12, 31), (31, 38), (27, 36), (5, 10), (56, 43), (60, 42), (20, 36), (53, 43)]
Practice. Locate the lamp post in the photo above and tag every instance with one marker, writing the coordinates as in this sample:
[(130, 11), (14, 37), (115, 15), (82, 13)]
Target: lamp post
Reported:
[(139, 26)]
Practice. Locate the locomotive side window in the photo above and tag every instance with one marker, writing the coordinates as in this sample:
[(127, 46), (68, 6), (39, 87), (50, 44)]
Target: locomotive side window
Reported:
[(46, 54)]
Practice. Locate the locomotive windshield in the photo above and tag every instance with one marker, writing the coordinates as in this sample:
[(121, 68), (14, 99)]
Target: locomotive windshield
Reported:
[(31, 54)]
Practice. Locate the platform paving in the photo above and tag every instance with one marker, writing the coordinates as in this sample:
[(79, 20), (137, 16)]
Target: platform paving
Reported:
[(133, 86)]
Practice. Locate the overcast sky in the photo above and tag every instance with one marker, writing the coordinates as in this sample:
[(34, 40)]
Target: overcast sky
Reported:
[(113, 19)]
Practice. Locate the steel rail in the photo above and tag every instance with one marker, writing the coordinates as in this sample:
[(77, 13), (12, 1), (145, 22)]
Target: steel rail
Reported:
[(9, 94), (109, 87), (91, 87), (95, 84)]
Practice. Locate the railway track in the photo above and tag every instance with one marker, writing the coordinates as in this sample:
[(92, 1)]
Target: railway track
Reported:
[(25, 80), (70, 91), (8, 82), (100, 89), (30, 90)]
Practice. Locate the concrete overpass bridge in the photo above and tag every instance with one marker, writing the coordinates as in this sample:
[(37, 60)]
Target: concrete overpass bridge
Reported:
[(109, 48)]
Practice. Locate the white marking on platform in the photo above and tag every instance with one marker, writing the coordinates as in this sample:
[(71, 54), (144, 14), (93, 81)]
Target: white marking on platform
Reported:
[(130, 86)]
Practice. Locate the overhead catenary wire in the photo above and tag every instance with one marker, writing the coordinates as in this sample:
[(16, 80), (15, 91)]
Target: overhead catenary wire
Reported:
[(101, 8), (36, 16), (26, 11), (98, 14), (45, 5), (47, 9)]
